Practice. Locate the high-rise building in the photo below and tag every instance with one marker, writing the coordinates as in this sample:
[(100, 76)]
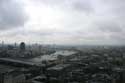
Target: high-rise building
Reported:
[(2, 44), (22, 46)]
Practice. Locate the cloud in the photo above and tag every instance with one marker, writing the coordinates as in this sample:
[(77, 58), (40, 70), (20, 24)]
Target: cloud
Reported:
[(12, 14), (83, 5), (109, 26), (74, 5), (64, 21)]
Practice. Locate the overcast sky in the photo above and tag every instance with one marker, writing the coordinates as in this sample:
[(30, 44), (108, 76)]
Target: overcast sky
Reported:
[(67, 22)]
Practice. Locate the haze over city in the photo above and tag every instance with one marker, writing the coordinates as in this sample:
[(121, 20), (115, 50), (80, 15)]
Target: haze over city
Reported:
[(62, 41), (63, 21)]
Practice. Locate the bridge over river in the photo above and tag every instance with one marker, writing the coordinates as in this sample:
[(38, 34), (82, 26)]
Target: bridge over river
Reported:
[(18, 62)]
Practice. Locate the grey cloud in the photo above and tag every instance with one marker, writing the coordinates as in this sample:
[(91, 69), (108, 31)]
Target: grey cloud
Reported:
[(12, 14), (117, 7), (83, 5), (108, 26), (107, 16), (77, 5), (118, 38)]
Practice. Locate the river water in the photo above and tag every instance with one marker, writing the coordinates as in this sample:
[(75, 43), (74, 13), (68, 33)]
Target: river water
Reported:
[(52, 56)]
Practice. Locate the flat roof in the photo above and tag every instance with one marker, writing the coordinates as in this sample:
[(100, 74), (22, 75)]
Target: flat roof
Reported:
[(4, 68), (59, 67)]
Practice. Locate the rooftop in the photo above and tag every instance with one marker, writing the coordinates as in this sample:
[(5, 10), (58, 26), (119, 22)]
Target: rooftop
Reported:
[(59, 67), (5, 69)]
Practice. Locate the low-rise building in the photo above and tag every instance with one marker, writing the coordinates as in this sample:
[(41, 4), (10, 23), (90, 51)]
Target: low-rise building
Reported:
[(11, 75)]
